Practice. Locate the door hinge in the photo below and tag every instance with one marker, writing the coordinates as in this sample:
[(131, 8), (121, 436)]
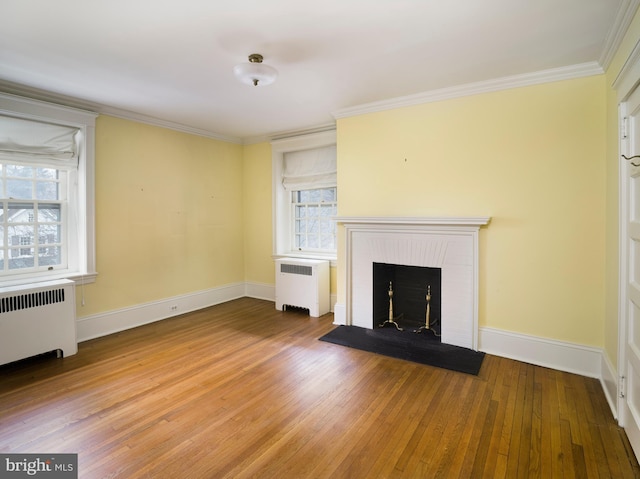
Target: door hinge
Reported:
[(624, 127), (623, 386)]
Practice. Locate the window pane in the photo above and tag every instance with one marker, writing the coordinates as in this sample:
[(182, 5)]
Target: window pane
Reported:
[(315, 196), (327, 211), (20, 189), (46, 173), (20, 212), (17, 260), (313, 226), (19, 234), (46, 190), (50, 256), (327, 241), (329, 194), (326, 227), (19, 171), (49, 234), (49, 213)]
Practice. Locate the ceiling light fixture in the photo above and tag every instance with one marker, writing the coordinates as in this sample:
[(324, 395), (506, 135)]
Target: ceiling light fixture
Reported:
[(255, 72)]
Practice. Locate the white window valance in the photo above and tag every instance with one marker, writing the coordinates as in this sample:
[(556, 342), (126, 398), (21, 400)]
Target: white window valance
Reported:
[(309, 169), (30, 141)]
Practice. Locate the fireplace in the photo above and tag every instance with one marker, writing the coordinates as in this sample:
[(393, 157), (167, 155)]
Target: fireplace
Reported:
[(407, 287), (447, 244)]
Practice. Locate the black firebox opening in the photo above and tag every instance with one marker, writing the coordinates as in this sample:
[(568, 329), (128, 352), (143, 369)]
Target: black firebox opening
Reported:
[(410, 285)]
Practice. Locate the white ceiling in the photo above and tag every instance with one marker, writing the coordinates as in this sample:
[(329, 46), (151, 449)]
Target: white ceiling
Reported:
[(172, 60)]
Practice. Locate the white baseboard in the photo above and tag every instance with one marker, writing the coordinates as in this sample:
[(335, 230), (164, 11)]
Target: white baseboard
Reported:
[(609, 381), (560, 355), (261, 291), (102, 324)]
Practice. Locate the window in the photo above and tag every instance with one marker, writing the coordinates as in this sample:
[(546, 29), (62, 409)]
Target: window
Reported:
[(31, 205), (305, 195), (313, 224), (46, 192)]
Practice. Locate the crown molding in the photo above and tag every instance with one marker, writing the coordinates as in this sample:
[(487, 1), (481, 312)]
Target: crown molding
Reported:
[(67, 101), (624, 17), (627, 77), (504, 83), (149, 120), (40, 110)]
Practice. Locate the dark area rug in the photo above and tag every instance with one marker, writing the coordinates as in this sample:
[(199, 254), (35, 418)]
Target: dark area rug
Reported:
[(423, 348)]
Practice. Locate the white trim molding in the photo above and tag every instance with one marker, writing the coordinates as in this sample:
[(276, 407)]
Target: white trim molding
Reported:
[(624, 17), (261, 291), (103, 324), (99, 108), (609, 382), (505, 83), (559, 355), (549, 353)]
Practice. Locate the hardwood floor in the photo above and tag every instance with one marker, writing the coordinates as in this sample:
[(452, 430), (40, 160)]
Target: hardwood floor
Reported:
[(242, 390)]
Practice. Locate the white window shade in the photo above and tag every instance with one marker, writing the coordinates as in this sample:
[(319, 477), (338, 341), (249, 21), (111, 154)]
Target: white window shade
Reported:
[(310, 169), (33, 141)]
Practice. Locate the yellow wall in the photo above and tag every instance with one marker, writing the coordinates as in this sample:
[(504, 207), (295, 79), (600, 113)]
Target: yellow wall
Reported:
[(531, 158), (259, 266), (168, 215)]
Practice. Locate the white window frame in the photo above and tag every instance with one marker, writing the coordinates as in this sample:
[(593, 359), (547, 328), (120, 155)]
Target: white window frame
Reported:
[(82, 267), (282, 210)]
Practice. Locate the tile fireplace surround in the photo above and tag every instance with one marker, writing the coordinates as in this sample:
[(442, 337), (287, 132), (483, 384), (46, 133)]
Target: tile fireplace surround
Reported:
[(447, 243)]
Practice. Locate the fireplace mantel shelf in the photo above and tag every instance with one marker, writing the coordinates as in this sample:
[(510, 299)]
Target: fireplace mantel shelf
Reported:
[(421, 221)]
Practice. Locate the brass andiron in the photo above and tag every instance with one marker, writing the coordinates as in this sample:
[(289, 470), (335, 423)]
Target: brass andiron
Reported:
[(427, 324), (391, 318)]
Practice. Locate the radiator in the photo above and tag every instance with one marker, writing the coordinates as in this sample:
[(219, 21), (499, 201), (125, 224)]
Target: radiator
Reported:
[(303, 283), (37, 319)]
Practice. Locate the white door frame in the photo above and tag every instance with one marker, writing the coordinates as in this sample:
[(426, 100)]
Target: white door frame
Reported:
[(626, 82)]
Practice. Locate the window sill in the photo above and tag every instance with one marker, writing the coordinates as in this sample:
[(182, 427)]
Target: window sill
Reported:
[(332, 258), (79, 279)]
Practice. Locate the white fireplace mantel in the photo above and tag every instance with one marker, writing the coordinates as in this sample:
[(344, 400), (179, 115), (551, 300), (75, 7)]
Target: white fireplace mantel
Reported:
[(449, 243), (471, 221)]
